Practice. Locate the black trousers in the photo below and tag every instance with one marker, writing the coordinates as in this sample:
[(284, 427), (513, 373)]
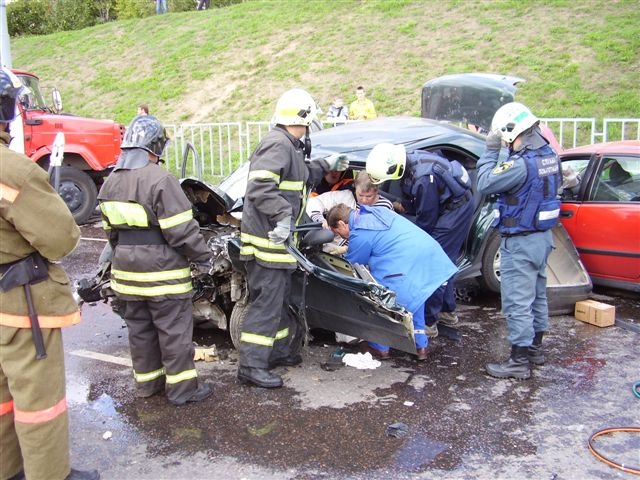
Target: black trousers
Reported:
[(161, 342), (266, 329)]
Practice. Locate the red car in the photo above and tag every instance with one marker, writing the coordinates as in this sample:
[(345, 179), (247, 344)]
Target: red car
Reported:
[(601, 210)]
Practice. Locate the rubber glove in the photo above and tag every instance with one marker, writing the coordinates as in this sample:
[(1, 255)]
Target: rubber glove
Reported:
[(281, 231), (493, 141), (338, 162)]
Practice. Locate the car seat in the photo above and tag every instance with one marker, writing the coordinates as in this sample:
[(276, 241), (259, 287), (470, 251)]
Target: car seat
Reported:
[(617, 174)]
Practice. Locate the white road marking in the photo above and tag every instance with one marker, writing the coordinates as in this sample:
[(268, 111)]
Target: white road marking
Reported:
[(89, 239), (102, 356)]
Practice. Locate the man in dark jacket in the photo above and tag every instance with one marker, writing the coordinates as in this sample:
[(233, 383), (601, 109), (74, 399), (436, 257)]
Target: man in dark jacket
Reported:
[(150, 226), (277, 189), (36, 229)]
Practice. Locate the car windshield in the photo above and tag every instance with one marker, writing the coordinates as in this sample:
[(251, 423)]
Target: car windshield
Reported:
[(32, 95)]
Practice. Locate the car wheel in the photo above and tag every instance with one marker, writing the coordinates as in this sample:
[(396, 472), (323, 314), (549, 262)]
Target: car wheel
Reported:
[(236, 319), (297, 332), (79, 192), (490, 269)]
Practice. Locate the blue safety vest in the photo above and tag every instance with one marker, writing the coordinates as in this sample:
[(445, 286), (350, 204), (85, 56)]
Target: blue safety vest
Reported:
[(452, 173), (535, 206)]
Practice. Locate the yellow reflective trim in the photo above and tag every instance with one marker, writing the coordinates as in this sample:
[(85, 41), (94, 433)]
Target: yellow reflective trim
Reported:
[(256, 339), (105, 225), (125, 213), (263, 175), (265, 256), (182, 376), (152, 276), (261, 242), (176, 219), (151, 291), (147, 377), (290, 185), (274, 257), (284, 333)]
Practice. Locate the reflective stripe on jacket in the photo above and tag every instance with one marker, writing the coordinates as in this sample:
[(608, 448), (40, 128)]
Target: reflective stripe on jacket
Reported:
[(34, 218), (150, 200), (277, 186)]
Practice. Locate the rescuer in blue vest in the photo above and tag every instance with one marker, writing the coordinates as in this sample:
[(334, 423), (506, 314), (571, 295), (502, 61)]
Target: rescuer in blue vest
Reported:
[(528, 183)]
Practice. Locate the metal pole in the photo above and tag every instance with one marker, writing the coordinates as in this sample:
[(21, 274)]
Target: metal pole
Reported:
[(5, 48)]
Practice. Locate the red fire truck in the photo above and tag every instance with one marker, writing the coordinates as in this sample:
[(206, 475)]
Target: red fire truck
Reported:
[(91, 146)]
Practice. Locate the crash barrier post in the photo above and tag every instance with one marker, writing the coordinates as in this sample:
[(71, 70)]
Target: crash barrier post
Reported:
[(223, 146)]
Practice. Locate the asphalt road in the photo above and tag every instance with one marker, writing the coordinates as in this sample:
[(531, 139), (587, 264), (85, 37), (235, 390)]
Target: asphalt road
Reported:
[(460, 423)]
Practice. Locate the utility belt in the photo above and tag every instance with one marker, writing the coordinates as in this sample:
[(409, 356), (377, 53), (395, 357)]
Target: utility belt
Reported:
[(147, 236), (520, 234), (458, 202), (26, 272)]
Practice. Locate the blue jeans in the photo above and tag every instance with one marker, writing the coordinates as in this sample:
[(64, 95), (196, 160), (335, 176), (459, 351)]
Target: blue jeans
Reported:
[(523, 285), (161, 6)]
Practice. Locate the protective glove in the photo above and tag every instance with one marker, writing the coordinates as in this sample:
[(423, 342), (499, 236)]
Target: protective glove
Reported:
[(493, 141), (338, 162), (339, 250), (281, 232)]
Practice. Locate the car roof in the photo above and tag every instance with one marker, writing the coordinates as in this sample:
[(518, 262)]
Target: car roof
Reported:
[(358, 138), (607, 148)]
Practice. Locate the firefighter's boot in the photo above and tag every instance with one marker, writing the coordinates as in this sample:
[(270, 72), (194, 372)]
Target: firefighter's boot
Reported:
[(516, 366), (259, 376), (535, 352), (83, 475)]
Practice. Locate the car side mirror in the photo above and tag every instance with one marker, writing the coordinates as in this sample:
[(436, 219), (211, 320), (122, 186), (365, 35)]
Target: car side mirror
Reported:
[(56, 99)]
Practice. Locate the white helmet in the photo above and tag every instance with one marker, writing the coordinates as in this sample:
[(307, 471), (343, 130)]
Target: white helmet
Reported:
[(386, 161), (295, 107), (511, 119)]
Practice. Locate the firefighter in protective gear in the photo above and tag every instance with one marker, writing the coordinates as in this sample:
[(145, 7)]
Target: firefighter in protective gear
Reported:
[(278, 184), (36, 228), (528, 183), (150, 226)]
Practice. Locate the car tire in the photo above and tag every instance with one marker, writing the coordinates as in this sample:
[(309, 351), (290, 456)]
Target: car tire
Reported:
[(236, 319), (490, 269), (297, 331), (79, 192)]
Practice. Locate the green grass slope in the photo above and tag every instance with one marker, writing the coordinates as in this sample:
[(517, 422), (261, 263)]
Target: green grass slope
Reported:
[(579, 59)]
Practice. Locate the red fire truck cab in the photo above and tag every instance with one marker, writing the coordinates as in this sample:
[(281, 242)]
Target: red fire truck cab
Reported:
[(91, 146)]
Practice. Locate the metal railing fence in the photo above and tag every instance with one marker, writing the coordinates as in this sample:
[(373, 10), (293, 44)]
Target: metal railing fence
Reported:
[(223, 146)]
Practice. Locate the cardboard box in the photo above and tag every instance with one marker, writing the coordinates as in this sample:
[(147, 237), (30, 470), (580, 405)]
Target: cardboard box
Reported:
[(595, 313)]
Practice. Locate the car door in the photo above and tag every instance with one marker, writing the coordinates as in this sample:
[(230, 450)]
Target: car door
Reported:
[(601, 213), (333, 297)]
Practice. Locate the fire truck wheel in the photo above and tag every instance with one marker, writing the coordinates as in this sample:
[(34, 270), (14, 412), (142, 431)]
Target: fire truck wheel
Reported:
[(79, 192)]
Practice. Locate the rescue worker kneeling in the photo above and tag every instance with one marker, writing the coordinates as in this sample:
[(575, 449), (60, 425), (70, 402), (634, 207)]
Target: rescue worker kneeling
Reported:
[(36, 228), (150, 225)]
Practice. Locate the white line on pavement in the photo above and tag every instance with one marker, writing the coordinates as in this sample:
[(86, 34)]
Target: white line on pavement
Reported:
[(101, 356), (89, 239)]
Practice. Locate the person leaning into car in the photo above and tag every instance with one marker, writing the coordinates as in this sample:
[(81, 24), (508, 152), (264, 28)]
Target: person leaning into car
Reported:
[(396, 252), (150, 225), (278, 182), (528, 183), (438, 193)]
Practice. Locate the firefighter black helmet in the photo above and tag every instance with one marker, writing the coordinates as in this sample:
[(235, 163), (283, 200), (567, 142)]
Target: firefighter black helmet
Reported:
[(146, 132), (10, 87)]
